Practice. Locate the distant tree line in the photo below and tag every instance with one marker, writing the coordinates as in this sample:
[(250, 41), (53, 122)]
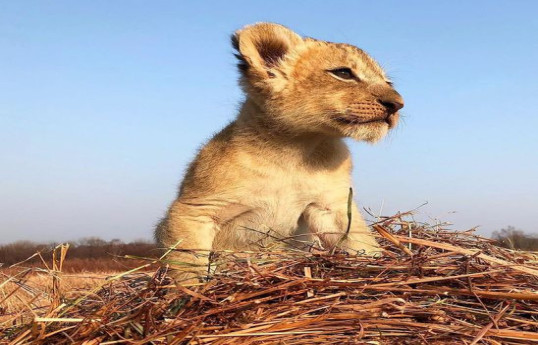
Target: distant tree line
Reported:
[(513, 238), (90, 253)]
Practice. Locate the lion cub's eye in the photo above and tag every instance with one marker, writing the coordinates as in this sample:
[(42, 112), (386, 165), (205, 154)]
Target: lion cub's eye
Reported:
[(343, 73)]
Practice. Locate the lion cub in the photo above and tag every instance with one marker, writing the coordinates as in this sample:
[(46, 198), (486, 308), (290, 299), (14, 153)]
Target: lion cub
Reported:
[(281, 169)]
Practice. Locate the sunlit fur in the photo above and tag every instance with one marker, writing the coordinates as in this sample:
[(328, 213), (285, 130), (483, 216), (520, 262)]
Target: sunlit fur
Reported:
[(282, 166)]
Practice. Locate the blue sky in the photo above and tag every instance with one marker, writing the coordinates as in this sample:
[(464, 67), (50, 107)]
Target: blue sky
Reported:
[(103, 103)]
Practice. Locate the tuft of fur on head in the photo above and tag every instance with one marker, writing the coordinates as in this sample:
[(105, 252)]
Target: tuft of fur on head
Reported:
[(301, 85)]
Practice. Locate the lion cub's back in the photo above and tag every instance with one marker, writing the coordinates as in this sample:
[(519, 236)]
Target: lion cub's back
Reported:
[(210, 168)]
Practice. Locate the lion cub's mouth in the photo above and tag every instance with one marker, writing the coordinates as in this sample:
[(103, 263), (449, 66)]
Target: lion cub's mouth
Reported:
[(359, 121), (389, 119), (365, 113)]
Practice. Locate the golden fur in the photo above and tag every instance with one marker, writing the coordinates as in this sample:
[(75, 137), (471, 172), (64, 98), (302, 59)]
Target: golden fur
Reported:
[(281, 168)]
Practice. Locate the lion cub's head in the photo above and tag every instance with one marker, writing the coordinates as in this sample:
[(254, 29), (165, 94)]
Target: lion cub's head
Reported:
[(310, 86)]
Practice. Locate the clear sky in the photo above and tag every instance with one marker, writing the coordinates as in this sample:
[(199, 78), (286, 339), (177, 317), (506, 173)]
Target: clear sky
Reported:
[(103, 103)]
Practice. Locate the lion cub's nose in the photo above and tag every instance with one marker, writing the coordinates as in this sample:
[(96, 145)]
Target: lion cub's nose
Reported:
[(392, 102), (392, 106)]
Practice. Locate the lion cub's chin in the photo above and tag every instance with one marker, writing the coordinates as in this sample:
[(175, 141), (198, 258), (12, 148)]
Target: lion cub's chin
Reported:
[(371, 133)]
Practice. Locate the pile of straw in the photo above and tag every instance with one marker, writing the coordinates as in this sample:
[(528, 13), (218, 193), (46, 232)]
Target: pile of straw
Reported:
[(433, 286)]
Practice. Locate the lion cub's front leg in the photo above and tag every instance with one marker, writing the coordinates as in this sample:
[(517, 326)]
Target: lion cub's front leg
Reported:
[(330, 225), (188, 233)]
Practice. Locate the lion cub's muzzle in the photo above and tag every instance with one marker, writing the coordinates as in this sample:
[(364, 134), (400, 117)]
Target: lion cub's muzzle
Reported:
[(382, 110)]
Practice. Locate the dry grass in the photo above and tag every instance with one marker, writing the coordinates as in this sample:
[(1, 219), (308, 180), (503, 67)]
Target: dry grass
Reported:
[(433, 287)]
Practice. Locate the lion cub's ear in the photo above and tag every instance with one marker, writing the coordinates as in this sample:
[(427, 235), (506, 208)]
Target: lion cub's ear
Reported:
[(262, 47)]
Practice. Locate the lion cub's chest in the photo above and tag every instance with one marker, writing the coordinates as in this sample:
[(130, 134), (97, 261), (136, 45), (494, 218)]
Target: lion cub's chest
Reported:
[(273, 207), (280, 205)]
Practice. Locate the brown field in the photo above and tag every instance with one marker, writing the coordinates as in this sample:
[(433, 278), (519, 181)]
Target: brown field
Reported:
[(31, 280), (37, 284), (34, 290)]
